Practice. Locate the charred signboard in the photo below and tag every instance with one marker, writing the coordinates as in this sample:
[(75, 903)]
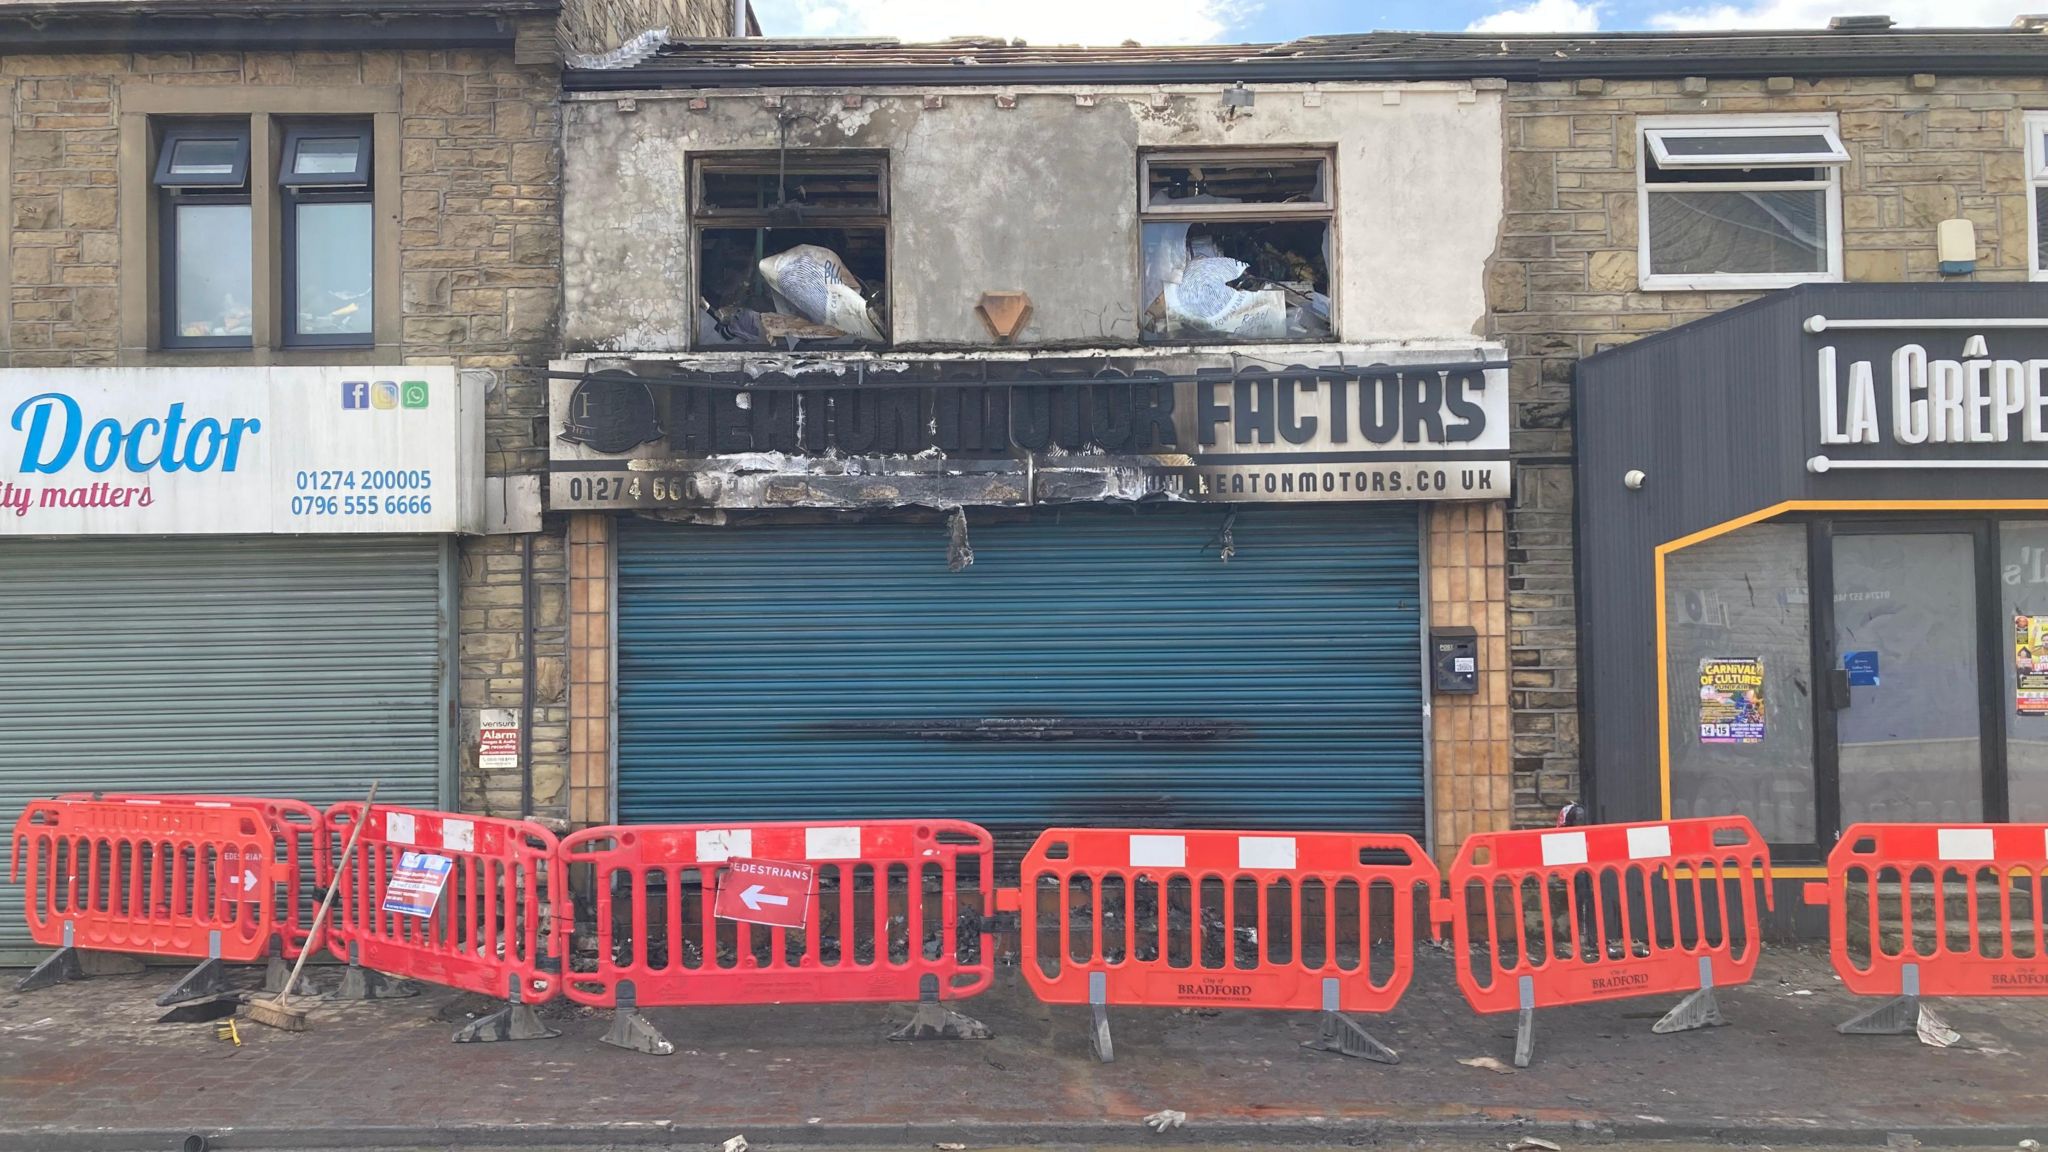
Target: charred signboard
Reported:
[(945, 432)]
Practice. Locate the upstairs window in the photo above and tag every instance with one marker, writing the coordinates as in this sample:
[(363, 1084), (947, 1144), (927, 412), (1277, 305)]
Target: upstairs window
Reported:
[(792, 251), (206, 259), (1236, 246), (323, 183), (1739, 203)]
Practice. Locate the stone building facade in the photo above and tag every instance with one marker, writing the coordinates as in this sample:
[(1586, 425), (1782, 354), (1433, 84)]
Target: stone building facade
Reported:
[(467, 194), (1923, 146)]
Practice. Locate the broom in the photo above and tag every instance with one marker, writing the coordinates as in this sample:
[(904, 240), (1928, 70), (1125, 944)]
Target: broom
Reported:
[(276, 1013)]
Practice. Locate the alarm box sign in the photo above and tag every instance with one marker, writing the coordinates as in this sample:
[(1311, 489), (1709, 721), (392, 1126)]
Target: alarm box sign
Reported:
[(772, 892)]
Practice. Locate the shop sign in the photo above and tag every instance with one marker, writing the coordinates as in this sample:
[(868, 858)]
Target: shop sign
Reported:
[(497, 739), (176, 451), (952, 432), (1930, 394)]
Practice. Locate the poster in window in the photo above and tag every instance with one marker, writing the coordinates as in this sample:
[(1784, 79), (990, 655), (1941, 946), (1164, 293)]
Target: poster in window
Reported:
[(2030, 663), (1732, 700)]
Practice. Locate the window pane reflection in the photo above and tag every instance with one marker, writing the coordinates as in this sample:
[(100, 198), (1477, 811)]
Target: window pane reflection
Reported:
[(213, 277), (334, 269), (2023, 575), (1701, 233), (1742, 598)]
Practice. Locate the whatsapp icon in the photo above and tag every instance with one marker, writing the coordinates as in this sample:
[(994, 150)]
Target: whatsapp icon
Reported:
[(413, 394)]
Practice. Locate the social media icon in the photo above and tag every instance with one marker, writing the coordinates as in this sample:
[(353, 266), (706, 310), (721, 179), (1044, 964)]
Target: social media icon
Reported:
[(384, 394), (355, 393), (413, 394)]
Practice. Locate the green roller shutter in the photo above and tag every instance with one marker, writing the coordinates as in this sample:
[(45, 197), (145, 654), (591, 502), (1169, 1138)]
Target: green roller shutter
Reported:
[(294, 666), (1091, 666)]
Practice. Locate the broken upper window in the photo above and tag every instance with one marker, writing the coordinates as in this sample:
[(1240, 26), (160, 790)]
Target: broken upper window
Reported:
[(792, 251), (1739, 202), (1237, 246)]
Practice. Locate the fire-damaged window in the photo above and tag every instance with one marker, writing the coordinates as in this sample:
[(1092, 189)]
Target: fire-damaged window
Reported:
[(792, 251), (1237, 245)]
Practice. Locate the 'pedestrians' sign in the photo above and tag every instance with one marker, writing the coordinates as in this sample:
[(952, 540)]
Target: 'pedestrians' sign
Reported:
[(416, 886), (771, 892)]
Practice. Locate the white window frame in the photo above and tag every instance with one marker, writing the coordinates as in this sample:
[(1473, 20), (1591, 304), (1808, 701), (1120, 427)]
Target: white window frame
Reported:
[(1759, 124), (2037, 185)]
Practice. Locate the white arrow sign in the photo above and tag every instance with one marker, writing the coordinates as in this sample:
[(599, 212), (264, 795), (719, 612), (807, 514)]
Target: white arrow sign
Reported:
[(753, 897)]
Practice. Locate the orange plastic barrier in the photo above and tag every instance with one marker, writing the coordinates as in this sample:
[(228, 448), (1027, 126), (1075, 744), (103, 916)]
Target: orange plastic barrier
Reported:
[(1935, 910), (1301, 920), (302, 844), (169, 878), (895, 912), (491, 928), (1604, 912)]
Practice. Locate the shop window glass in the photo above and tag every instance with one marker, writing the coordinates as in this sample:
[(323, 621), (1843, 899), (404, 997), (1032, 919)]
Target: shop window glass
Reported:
[(2023, 579), (1734, 604), (1906, 622)]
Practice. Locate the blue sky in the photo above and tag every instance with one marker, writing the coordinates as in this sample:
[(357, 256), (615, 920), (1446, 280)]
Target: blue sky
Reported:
[(1194, 21)]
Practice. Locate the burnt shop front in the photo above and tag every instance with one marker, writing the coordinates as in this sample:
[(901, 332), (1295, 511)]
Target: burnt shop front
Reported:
[(1813, 541), (230, 580), (1112, 589)]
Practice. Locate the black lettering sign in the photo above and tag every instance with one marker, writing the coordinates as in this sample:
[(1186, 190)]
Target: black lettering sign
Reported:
[(1074, 410)]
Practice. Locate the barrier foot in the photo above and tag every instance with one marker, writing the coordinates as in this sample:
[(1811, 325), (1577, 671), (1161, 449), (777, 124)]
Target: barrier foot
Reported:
[(1698, 1010), (515, 1021), (1898, 1016), (1341, 1034), (1525, 1025), (208, 979), (512, 1022), (360, 983), (60, 967), (1098, 1028), (632, 1031), (276, 972), (932, 1018), (74, 963)]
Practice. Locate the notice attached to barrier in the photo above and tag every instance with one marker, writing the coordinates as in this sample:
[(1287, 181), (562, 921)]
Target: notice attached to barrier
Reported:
[(416, 886), (772, 892)]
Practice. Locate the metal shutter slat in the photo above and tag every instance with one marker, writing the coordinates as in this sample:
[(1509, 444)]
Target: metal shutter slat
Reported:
[(760, 669), (294, 666)]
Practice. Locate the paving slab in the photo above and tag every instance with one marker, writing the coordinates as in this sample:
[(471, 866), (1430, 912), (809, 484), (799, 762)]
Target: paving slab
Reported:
[(85, 1066)]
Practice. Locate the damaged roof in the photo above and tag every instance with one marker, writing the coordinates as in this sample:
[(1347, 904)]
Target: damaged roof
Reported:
[(1862, 51), (166, 25)]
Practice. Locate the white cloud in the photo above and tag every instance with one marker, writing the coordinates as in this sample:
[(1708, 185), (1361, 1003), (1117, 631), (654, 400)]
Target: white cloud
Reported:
[(1033, 21), (1816, 13), (1542, 16)]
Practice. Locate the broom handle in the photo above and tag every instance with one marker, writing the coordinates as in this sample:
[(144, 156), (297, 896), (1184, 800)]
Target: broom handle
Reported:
[(327, 901)]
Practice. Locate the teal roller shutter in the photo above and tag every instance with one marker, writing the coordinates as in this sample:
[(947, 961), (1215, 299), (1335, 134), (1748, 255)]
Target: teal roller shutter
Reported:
[(1092, 666), (293, 666)]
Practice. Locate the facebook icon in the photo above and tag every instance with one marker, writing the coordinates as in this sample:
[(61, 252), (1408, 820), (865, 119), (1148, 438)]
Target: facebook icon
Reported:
[(355, 394)]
